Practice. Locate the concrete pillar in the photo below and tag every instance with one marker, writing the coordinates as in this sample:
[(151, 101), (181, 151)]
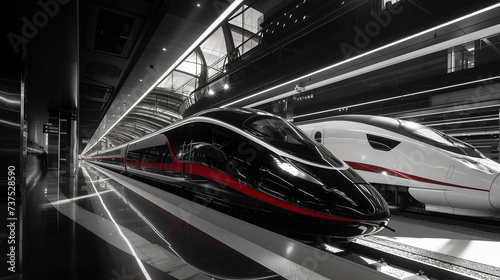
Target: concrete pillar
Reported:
[(73, 146), (53, 143), (68, 137)]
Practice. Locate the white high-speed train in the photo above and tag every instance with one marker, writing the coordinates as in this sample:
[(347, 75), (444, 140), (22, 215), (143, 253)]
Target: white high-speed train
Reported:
[(407, 161)]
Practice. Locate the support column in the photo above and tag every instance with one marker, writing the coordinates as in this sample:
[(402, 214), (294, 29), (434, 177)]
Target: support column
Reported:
[(68, 144), (52, 130), (73, 146)]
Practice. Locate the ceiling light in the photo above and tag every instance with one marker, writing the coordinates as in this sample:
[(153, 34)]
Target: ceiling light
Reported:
[(226, 86), (211, 92), (164, 49), (236, 4), (401, 96), (482, 32)]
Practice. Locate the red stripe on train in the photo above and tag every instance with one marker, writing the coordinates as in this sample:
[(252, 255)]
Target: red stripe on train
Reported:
[(378, 169), (214, 175)]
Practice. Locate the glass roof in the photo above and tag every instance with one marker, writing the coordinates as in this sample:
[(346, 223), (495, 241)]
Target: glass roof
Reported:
[(163, 105)]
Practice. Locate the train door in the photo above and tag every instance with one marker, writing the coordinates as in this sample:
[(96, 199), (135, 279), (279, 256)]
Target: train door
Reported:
[(318, 134)]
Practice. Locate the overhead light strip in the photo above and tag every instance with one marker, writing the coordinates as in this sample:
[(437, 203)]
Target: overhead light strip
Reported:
[(236, 4), (367, 53), (447, 111), (470, 119), (464, 121), (476, 133), (398, 97)]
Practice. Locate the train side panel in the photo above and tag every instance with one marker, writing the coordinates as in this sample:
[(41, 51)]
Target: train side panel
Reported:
[(257, 166), (435, 177), (113, 158)]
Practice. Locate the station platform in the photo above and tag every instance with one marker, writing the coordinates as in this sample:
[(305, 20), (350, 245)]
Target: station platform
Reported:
[(102, 225), (476, 248)]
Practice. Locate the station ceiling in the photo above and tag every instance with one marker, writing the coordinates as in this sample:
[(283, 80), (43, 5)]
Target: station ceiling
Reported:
[(138, 64)]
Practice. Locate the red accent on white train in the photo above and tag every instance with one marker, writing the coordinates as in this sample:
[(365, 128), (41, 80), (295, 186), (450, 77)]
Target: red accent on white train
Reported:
[(407, 161)]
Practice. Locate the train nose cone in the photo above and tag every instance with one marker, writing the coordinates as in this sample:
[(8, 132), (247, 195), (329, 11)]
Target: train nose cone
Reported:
[(495, 193), (359, 210), (356, 201)]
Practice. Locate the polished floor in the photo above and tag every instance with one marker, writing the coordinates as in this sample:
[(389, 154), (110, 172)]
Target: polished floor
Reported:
[(102, 225), (55, 246), (446, 239)]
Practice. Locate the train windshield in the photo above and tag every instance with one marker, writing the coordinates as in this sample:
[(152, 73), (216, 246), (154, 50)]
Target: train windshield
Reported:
[(276, 129), (440, 137), (287, 137)]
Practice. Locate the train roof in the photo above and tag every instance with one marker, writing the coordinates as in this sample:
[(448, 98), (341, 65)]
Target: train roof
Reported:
[(379, 121), (410, 129), (233, 116)]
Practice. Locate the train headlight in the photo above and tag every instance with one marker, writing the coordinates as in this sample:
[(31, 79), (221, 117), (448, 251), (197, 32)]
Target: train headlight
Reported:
[(473, 165), (290, 168)]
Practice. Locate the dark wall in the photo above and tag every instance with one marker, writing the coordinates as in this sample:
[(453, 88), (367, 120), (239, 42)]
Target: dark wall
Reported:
[(11, 175), (10, 95)]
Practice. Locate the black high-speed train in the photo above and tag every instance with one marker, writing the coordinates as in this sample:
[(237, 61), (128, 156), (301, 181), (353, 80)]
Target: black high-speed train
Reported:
[(259, 167)]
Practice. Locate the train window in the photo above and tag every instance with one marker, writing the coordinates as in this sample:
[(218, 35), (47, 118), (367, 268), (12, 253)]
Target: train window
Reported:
[(276, 129), (151, 155), (134, 156), (167, 157), (287, 137), (426, 132), (317, 136), (182, 152), (381, 143), (446, 141), (467, 148), (177, 139)]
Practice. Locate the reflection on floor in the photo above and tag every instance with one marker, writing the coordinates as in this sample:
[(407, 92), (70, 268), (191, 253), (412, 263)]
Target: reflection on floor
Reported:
[(103, 225), (55, 246), (474, 245)]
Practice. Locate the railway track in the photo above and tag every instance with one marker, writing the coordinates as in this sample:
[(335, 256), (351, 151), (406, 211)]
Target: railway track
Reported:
[(488, 225), (423, 264), (407, 262)]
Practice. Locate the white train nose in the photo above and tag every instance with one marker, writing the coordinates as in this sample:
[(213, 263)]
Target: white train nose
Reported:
[(495, 193)]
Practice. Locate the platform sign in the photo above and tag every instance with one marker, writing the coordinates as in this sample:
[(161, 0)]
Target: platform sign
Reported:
[(50, 129)]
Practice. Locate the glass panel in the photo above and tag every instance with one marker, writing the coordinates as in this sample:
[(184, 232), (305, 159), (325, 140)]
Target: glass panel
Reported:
[(246, 25), (275, 129), (425, 132), (179, 82), (461, 57), (249, 20), (191, 65), (317, 136), (214, 51)]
